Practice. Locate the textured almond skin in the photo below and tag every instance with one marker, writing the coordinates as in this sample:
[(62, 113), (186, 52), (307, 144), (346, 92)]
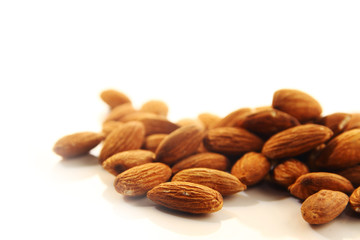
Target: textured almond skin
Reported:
[(324, 206), (114, 98), (186, 197), (137, 181), (153, 141), (122, 161), (119, 112), (296, 140), (355, 200), (203, 160), (129, 136), (288, 171), (337, 122), (234, 118), (209, 120), (155, 106), (341, 152), (297, 103), (109, 126), (77, 144), (313, 182), (232, 141), (154, 125), (352, 174), (223, 182), (251, 168), (180, 143), (267, 122)]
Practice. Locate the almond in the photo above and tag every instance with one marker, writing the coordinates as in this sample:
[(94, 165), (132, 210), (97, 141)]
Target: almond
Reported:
[(155, 106), (297, 103), (251, 168), (234, 118), (188, 121), (152, 141), (341, 152), (231, 141), (310, 183), (137, 181), (324, 206), (223, 182), (295, 141), (203, 160), (137, 115), (114, 98), (158, 124), (354, 122), (287, 172), (337, 122), (352, 174), (109, 126), (267, 122), (77, 144), (126, 137), (122, 161), (119, 112), (180, 143), (209, 120), (186, 197), (355, 200)]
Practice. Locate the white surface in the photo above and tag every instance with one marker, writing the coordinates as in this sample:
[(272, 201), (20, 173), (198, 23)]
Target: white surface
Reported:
[(198, 56)]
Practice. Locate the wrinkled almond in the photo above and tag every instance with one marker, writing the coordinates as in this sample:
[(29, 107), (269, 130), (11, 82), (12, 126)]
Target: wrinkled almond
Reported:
[(287, 172), (337, 122), (158, 124)]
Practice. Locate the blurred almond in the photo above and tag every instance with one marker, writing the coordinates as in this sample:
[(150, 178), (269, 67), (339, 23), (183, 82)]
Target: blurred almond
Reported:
[(188, 121), (352, 174), (158, 124), (109, 126), (155, 106), (234, 118), (137, 115), (114, 98), (153, 141), (119, 112), (337, 122), (354, 122), (209, 120)]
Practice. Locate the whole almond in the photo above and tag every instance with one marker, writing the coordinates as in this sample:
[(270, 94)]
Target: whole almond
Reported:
[(324, 206), (186, 197), (251, 168), (310, 183), (152, 141), (129, 136), (137, 181), (137, 115), (109, 126), (352, 174), (122, 161), (158, 124), (77, 144), (223, 182), (114, 98), (155, 106), (189, 121), (295, 141), (209, 120), (180, 143), (119, 112), (234, 118), (297, 103), (203, 160), (287, 172), (337, 122), (231, 141), (354, 122), (341, 152), (355, 200)]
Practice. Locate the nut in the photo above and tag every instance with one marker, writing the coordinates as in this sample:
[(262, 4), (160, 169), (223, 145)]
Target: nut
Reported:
[(355, 200), (119, 112), (152, 141), (337, 122), (352, 174), (234, 118), (114, 98), (155, 106), (288, 171)]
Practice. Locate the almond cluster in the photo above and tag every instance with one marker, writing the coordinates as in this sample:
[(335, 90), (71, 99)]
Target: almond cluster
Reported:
[(189, 165)]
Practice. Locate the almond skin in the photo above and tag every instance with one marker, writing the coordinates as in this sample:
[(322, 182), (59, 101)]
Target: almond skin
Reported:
[(155, 106), (137, 115), (287, 172), (203, 160), (310, 183), (297, 103), (324, 206), (231, 141), (355, 200), (223, 182), (158, 124), (129, 136), (180, 143), (209, 120), (341, 152), (152, 141), (352, 174), (137, 181), (337, 122), (296, 140), (119, 112), (251, 168), (122, 161), (77, 144), (354, 122), (234, 118), (186, 197), (114, 98), (107, 127)]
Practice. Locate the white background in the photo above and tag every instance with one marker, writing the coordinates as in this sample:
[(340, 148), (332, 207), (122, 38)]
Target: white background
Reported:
[(198, 56)]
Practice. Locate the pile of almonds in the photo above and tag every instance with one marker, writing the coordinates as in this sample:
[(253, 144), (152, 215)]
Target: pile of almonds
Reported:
[(191, 164)]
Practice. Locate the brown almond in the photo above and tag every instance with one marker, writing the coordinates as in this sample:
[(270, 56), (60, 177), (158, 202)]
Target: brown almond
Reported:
[(109, 126), (180, 143), (129, 136), (267, 122), (186, 197), (341, 152), (209, 120), (352, 174), (297, 103), (288, 171), (234, 118), (324, 206), (223, 182), (152, 141), (188, 121), (231, 141), (119, 112), (337, 122), (158, 124), (354, 122), (251, 168), (122, 161), (77, 144), (137, 115), (114, 98), (295, 141), (310, 183), (355, 200), (155, 106), (137, 181), (203, 160)]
